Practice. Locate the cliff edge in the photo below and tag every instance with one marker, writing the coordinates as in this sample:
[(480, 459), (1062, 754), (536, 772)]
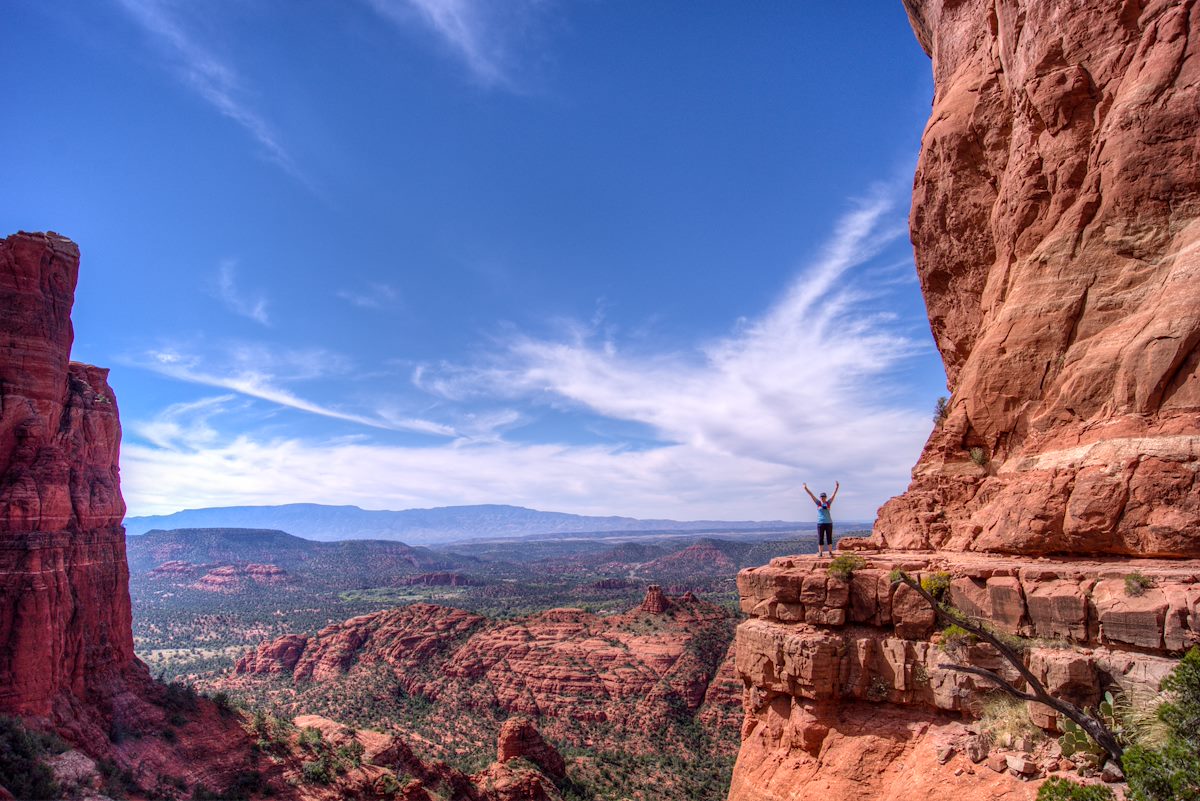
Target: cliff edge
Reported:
[(1056, 237), (1056, 233)]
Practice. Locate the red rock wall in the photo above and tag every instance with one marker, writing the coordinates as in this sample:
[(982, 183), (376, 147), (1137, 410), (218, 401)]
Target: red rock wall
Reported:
[(64, 589), (846, 697), (1055, 227)]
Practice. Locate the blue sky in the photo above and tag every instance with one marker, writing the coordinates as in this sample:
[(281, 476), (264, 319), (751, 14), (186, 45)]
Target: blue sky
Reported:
[(597, 257)]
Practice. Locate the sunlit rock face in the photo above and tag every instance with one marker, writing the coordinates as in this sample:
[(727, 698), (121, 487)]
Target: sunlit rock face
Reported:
[(1054, 223), (1055, 230), (64, 584)]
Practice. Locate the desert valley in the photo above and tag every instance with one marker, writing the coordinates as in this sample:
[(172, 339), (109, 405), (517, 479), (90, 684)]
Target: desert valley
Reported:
[(1022, 622)]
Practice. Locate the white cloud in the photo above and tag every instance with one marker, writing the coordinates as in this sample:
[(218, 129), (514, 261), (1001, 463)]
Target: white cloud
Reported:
[(580, 479), (183, 425), (482, 33), (236, 301), (210, 77), (805, 386), (260, 372), (805, 392)]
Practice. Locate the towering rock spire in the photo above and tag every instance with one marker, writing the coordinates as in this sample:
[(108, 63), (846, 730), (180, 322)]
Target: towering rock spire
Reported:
[(654, 602), (65, 626)]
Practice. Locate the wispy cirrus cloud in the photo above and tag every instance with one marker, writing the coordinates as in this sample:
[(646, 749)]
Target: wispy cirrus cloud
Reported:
[(211, 77), (263, 373), (485, 35), (183, 424), (252, 306), (807, 391), (805, 385)]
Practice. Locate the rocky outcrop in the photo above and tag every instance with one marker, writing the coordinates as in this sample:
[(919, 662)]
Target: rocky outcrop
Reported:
[(1056, 235), (439, 579), (66, 647), (1056, 226), (234, 578), (655, 602), (584, 678), (402, 639), (520, 739), (845, 687), (65, 622), (390, 767)]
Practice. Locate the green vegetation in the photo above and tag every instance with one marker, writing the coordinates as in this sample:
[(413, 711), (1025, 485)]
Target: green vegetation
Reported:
[(674, 774), (325, 761), (941, 410), (23, 771), (878, 689), (191, 636), (1171, 772), (978, 455), (317, 771), (118, 782), (245, 783), (1059, 789), (388, 785), (1167, 771), (955, 637), (1075, 740), (310, 738), (936, 584), (1136, 583), (843, 566)]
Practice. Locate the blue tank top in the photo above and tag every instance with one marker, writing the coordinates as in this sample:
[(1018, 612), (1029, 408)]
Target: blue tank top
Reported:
[(823, 515)]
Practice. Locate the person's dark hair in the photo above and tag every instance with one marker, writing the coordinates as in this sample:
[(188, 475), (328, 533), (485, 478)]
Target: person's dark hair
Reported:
[(822, 495)]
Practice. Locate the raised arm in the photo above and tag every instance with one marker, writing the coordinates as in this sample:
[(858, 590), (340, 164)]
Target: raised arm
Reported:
[(814, 497), (836, 486)]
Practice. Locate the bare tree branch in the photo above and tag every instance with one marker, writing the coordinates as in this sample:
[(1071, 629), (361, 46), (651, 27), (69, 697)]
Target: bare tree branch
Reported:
[(1095, 728), (995, 678)]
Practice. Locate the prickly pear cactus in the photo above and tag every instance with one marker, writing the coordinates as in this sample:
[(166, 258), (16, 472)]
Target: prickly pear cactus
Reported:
[(1074, 739)]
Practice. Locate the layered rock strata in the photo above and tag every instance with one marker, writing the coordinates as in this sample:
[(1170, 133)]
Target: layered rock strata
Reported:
[(65, 622), (564, 664), (844, 687), (1057, 240), (66, 647), (1056, 235)]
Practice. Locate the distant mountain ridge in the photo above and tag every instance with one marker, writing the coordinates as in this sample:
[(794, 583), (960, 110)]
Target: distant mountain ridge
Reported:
[(345, 563), (422, 526)]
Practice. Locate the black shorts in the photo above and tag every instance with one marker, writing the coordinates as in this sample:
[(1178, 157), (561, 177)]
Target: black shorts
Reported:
[(825, 534)]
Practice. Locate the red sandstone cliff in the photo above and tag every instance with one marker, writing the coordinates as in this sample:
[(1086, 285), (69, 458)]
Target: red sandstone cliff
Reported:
[(1056, 238), (66, 645), (1055, 225), (64, 589)]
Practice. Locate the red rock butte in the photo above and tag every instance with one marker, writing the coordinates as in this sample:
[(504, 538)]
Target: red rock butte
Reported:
[(1057, 240), (65, 620), (655, 602)]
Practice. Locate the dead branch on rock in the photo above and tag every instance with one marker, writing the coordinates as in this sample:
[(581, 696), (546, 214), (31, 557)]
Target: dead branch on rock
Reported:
[(1095, 728)]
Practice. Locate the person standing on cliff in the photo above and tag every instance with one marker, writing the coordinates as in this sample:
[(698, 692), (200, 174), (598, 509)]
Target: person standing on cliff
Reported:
[(824, 518)]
